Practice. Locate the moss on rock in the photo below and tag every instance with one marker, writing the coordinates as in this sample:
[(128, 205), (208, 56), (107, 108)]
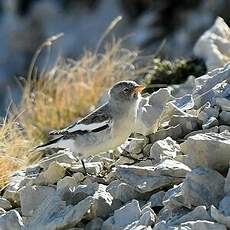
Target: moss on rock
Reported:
[(165, 72)]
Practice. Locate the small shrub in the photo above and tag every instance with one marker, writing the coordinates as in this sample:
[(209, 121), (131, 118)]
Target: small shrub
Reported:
[(164, 72)]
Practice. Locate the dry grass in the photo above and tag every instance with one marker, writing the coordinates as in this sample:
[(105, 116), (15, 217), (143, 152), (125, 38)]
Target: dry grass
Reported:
[(57, 97), (13, 146)]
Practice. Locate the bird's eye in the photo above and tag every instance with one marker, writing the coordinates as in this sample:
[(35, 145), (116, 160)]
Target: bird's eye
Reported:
[(125, 90)]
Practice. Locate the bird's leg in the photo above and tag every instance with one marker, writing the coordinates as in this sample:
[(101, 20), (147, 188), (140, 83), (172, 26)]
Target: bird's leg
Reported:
[(84, 168)]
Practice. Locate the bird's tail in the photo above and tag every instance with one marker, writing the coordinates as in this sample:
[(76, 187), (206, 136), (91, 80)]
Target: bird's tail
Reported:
[(49, 145)]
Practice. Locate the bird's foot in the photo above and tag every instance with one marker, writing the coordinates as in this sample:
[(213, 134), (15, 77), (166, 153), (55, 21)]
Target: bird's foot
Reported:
[(84, 168), (85, 173)]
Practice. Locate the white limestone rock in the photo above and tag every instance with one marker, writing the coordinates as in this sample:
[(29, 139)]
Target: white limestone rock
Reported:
[(122, 191), (182, 92), (171, 167), (146, 150), (53, 213), (162, 149), (150, 111), (70, 182), (200, 187), (207, 111), (207, 150), (224, 128), (62, 156), (219, 217), (225, 118), (147, 220), (94, 224), (179, 126), (11, 220), (124, 160), (32, 196), (223, 103), (227, 183), (145, 162), (166, 216), (222, 215), (177, 106), (2, 211), (224, 205), (107, 162), (131, 211), (173, 198), (192, 225), (198, 213), (156, 199), (214, 45), (146, 179), (103, 203), (16, 181), (212, 86), (66, 183), (188, 122), (79, 177), (199, 217), (33, 170), (91, 167), (174, 132), (51, 175), (136, 145), (212, 122), (5, 204), (214, 129), (203, 186), (81, 192)]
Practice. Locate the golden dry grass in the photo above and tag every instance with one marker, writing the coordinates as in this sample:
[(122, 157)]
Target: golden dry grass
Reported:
[(55, 98), (13, 146)]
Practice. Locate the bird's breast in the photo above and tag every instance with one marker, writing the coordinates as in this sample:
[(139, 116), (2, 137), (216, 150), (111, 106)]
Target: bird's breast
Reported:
[(123, 127)]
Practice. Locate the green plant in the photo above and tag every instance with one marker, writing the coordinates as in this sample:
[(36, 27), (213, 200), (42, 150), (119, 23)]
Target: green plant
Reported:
[(164, 72)]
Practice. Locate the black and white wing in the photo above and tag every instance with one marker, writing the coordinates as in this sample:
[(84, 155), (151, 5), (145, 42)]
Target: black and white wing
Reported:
[(96, 121)]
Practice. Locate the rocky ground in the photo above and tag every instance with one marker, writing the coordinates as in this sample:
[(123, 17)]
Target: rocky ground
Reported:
[(175, 175)]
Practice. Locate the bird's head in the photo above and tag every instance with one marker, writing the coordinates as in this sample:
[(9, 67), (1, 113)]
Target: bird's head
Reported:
[(125, 91)]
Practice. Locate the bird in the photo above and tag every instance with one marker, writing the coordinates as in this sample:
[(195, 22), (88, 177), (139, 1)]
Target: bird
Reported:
[(105, 128)]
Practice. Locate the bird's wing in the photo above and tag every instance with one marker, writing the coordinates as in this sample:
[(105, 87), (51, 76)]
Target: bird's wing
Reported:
[(96, 121)]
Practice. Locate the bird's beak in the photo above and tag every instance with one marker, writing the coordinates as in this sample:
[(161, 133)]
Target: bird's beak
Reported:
[(138, 89)]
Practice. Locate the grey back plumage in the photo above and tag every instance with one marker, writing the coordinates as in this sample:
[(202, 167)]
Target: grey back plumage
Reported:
[(100, 116)]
